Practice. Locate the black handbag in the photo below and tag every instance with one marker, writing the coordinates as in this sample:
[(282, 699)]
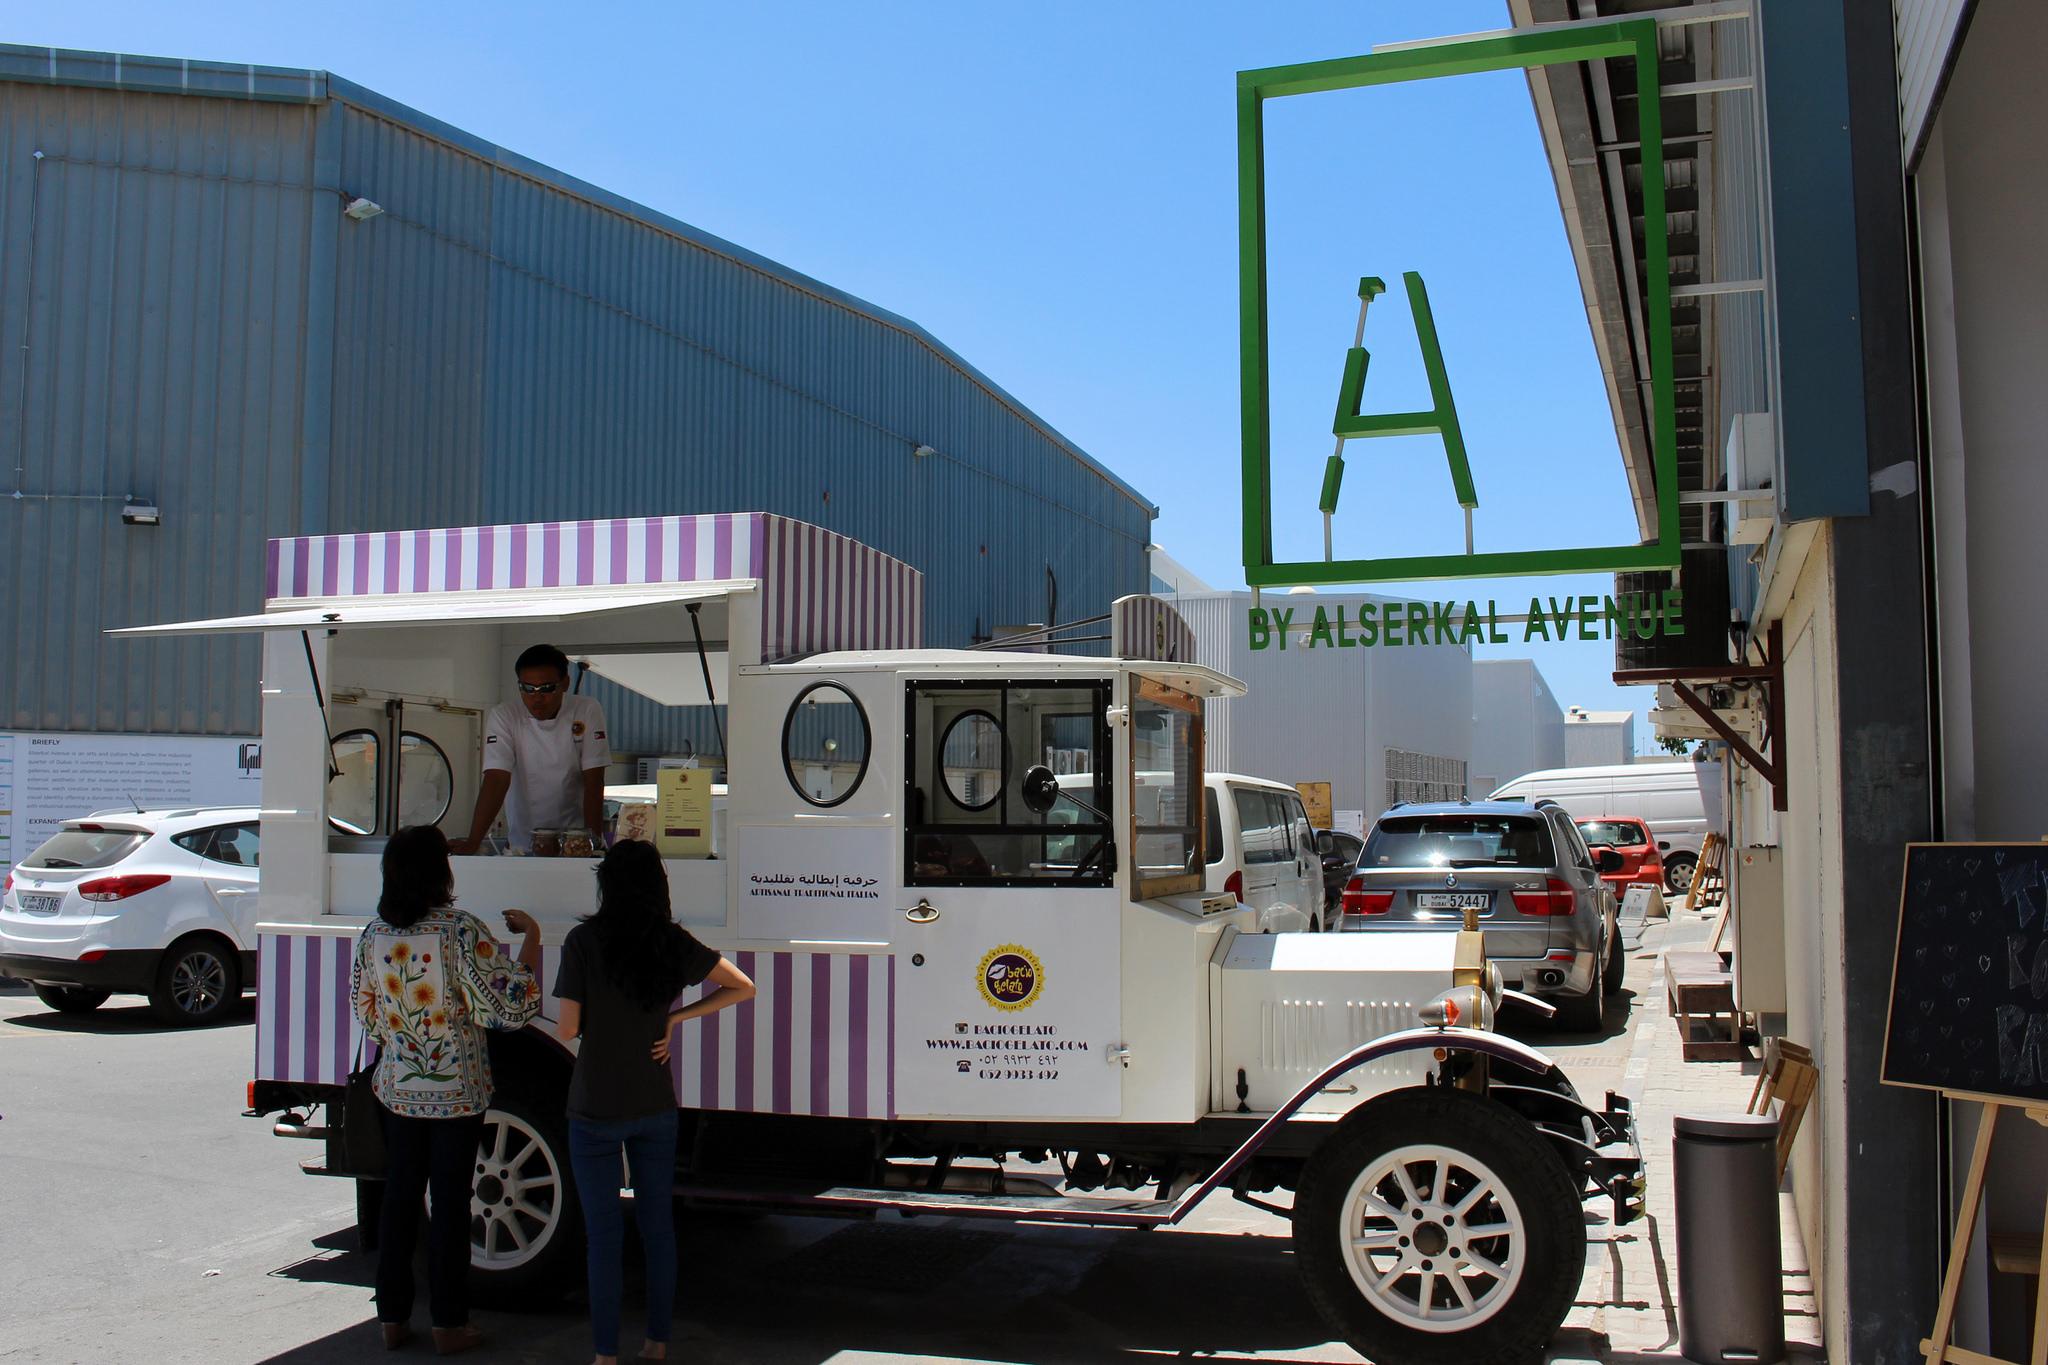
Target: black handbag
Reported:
[(362, 1120)]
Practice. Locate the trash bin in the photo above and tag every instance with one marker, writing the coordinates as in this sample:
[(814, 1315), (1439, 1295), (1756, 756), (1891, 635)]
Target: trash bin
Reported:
[(1730, 1291)]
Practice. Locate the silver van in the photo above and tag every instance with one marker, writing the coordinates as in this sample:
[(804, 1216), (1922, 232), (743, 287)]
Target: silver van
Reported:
[(1664, 794)]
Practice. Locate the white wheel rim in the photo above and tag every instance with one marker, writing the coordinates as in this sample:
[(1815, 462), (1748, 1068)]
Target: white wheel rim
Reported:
[(515, 1202), (1433, 1239)]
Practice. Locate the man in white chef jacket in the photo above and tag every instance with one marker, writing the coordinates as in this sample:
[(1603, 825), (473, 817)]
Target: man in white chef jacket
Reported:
[(544, 757)]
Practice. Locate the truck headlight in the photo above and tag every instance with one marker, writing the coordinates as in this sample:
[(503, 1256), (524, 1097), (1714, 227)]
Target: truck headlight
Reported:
[(1459, 1007)]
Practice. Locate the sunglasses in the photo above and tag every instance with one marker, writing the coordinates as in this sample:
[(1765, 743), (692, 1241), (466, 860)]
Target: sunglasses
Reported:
[(539, 689)]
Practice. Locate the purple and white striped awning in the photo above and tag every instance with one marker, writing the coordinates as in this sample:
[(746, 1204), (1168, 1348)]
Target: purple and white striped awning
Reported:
[(818, 590)]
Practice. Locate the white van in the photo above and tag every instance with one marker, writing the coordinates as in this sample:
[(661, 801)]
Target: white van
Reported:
[(1262, 850), (1667, 795)]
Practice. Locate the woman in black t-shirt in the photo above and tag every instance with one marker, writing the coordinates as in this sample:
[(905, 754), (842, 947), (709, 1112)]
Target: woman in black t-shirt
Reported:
[(622, 970)]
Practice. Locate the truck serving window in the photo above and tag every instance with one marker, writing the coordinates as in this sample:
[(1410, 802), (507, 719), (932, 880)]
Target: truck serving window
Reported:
[(971, 747)]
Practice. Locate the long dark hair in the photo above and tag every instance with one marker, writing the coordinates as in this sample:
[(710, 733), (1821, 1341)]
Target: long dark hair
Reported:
[(417, 877), (641, 944)]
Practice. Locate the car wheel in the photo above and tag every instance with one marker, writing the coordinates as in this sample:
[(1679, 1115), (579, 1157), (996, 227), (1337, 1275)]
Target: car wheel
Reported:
[(1586, 1013), (1617, 962), (525, 1224), (71, 999), (1438, 1227), (1678, 873), (199, 980)]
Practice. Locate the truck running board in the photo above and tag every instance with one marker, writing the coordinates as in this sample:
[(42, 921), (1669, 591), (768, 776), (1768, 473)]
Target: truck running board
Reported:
[(1041, 1208)]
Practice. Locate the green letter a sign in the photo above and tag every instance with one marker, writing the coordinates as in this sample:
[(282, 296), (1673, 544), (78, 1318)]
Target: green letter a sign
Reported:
[(1441, 419)]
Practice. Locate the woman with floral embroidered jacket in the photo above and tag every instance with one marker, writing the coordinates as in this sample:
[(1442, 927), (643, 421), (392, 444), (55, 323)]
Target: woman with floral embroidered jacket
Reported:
[(429, 979)]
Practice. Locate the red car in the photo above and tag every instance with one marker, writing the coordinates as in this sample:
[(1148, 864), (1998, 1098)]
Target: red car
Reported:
[(1630, 838)]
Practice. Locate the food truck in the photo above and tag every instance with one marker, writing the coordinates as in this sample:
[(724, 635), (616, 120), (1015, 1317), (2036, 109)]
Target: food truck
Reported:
[(991, 983)]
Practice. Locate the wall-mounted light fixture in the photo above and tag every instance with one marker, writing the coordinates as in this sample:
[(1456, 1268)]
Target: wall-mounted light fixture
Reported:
[(922, 451), (137, 513), (361, 209)]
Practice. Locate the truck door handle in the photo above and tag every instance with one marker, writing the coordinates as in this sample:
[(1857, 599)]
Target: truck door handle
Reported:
[(924, 912), (236, 891)]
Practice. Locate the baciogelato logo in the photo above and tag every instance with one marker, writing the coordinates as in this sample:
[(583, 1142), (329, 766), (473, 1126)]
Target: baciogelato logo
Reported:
[(1012, 977)]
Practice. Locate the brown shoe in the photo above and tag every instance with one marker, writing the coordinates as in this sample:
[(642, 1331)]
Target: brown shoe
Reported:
[(450, 1341), (396, 1334)]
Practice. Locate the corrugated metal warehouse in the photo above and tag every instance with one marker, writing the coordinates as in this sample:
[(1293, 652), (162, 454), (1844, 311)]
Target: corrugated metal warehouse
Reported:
[(191, 317)]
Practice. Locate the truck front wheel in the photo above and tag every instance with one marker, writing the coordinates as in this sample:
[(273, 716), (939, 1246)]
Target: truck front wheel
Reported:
[(1438, 1227), (525, 1227)]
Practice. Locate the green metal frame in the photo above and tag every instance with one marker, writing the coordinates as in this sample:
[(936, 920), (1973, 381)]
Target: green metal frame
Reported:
[(1636, 39)]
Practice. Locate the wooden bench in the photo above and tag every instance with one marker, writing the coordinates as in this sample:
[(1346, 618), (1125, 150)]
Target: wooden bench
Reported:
[(1701, 989)]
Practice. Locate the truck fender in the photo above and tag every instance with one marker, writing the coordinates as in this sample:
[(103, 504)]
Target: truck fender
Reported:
[(1491, 1045)]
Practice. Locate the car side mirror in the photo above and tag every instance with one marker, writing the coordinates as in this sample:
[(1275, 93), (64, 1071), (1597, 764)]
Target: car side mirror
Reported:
[(1041, 789), (1607, 860), (1325, 843)]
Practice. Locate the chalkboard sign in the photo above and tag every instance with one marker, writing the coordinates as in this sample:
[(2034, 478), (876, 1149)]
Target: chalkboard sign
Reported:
[(1969, 1003)]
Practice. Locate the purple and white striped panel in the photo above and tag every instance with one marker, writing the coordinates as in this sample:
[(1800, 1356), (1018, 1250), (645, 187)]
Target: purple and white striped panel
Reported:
[(1146, 627), (305, 1030), (824, 591), (549, 554), (819, 590), (817, 1039)]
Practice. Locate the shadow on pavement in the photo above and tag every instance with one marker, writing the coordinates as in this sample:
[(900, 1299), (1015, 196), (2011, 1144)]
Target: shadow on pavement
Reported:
[(794, 1291), (128, 1019)]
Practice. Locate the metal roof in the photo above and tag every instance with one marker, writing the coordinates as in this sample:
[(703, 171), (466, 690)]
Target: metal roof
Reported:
[(239, 81)]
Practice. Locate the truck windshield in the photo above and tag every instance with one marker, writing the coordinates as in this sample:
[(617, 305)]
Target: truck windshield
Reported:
[(971, 745), (1166, 790), (1458, 841)]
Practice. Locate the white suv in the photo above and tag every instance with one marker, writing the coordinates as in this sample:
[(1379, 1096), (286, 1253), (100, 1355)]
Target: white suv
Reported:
[(158, 902)]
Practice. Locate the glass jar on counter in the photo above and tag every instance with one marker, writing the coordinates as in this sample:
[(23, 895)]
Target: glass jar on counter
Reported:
[(578, 843), (547, 843)]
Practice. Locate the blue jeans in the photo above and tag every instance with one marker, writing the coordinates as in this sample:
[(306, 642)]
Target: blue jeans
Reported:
[(650, 1150)]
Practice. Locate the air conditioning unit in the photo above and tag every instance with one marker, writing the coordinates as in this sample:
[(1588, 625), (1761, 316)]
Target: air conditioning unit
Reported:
[(1671, 718), (1752, 462)]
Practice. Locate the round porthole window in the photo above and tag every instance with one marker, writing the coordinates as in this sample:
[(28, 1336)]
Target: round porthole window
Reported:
[(971, 755), (352, 788), (825, 744)]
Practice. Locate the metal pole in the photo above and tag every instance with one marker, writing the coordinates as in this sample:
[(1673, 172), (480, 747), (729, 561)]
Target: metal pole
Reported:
[(1357, 340)]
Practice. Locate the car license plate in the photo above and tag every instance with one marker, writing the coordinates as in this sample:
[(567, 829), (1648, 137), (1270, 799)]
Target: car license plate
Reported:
[(34, 904), (1452, 900)]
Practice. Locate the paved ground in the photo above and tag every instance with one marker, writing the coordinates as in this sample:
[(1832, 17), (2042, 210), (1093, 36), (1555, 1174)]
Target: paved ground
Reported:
[(147, 1221)]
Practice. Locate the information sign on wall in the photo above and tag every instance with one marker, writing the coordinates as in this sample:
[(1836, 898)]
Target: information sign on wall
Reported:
[(48, 778)]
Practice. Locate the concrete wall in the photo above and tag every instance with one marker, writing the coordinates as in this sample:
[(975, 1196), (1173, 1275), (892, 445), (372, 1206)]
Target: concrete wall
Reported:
[(1591, 743), (1328, 715), (1517, 725)]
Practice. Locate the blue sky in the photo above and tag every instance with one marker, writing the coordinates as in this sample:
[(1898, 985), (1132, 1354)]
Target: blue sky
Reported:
[(1050, 190)]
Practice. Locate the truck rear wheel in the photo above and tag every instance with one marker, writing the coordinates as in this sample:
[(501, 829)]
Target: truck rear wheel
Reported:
[(1439, 1228), (525, 1227)]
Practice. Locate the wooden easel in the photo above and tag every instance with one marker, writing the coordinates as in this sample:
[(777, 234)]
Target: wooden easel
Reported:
[(1937, 1348), (1712, 854)]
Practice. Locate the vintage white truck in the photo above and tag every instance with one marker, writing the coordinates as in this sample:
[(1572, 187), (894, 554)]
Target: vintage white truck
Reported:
[(968, 966)]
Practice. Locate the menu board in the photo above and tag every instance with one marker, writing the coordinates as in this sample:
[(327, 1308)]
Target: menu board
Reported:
[(682, 827), (1969, 1003)]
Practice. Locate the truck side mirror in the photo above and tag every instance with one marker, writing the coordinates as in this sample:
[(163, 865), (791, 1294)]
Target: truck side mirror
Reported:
[(1041, 789), (1326, 843)]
